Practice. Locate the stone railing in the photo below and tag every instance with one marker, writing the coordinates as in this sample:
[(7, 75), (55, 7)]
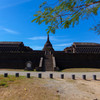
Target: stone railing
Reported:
[(51, 75), (54, 62), (41, 62)]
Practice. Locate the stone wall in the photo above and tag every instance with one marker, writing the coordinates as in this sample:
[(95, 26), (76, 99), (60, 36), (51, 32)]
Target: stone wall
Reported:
[(19, 60), (63, 60), (74, 60)]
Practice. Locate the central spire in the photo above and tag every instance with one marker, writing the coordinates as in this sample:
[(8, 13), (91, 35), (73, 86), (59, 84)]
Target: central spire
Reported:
[(48, 45), (48, 38)]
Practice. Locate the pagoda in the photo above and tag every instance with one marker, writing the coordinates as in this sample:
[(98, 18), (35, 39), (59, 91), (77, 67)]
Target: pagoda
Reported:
[(48, 46)]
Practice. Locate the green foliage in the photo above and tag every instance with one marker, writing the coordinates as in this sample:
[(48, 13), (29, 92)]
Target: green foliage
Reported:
[(4, 82), (96, 28), (65, 13)]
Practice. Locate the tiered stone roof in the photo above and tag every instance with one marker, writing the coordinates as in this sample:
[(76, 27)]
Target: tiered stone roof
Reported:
[(14, 47), (77, 44), (48, 45), (83, 47)]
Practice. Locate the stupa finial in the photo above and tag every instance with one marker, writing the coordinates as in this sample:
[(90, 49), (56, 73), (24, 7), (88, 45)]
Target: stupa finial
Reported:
[(48, 38)]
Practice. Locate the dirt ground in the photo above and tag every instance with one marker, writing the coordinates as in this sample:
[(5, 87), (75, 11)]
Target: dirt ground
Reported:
[(51, 89)]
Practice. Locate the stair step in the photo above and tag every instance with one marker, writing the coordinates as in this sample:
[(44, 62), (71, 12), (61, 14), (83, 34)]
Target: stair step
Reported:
[(48, 63)]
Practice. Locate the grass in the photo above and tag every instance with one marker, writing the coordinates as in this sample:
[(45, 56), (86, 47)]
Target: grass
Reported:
[(11, 69), (81, 70), (21, 70), (4, 82)]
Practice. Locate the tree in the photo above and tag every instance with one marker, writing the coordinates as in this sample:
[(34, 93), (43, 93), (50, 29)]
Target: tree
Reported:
[(65, 13)]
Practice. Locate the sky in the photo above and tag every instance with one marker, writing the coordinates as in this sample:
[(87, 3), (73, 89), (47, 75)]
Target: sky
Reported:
[(16, 25)]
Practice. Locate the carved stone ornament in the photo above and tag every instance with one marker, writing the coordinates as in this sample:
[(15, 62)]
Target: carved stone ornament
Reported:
[(29, 64)]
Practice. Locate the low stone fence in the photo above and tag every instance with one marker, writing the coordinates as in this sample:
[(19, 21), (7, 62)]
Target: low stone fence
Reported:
[(54, 75)]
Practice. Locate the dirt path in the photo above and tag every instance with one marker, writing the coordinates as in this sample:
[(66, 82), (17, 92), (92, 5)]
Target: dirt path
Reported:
[(51, 89), (76, 89)]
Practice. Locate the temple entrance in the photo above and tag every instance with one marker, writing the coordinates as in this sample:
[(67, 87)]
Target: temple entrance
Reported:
[(48, 62), (47, 52)]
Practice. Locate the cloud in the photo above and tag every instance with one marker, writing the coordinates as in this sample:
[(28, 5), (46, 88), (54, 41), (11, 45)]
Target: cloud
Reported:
[(14, 4), (8, 30), (36, 47), (38, 38), (64, 44), (52, 38), (42, 38)]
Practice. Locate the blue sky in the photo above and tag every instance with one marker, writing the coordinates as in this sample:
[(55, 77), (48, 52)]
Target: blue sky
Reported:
[(15, 25)]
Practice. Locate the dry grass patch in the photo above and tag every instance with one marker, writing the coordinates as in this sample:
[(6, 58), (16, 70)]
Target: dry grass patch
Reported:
[(81, 70), (21, 70), (11, 69)]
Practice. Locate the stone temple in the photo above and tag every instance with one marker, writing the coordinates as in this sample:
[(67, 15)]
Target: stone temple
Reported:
[(15, 55)]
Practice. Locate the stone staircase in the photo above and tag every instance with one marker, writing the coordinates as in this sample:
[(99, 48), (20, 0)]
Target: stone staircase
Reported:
[(48, 63)]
